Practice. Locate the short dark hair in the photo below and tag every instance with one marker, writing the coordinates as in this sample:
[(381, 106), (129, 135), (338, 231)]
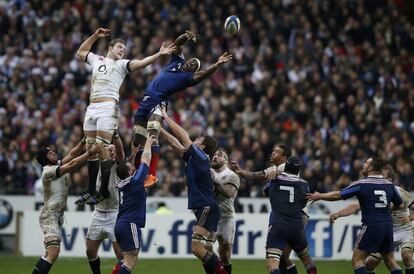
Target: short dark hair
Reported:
[(287, 152), (210, 145), (117, 40), (41, 156), (390, 172), (293, 165), (377, 164), (122, 170)]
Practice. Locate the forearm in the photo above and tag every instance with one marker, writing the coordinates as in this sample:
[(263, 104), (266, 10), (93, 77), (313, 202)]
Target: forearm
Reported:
[(330, 196), (146, 154), (86, 46), (201, 75), (75, 152), (180, 40), (119, 148), (222, 190), (258, 175), (74, 163), (172, 141), (137, 64), (347, 211), (179, 132)]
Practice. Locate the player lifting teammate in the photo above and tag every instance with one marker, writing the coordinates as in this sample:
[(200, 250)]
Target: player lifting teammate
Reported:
[(200, 191), (55, 180), (374, 195), (102, 114), (176, 76), (226, 184)]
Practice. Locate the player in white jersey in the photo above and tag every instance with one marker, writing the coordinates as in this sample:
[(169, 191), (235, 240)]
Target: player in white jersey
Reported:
[(102, 114), (226, 183), (104, 215), (55, 179), (402, 228)]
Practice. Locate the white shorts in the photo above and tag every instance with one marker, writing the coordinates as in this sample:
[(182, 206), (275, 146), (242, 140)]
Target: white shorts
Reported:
[(404, 238), (102, 116), (102, 226), (225, 230), (51, 225)]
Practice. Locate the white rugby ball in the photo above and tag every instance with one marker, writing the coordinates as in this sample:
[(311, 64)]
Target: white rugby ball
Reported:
[(232, 24)]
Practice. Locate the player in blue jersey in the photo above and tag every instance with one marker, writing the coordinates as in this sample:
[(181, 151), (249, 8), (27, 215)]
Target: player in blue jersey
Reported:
[(374, 194), (176, 76), (132, 207), (201, 197), (287, 194)]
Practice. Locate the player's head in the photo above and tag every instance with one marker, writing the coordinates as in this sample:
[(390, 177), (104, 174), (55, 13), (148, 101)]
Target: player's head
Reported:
[(293, 165), (116, 49), (373, 166), (220, 159), (207, 143), (124, 170), (389, 173), (112, 151), (192, 65), (280, 154), (46, 156)]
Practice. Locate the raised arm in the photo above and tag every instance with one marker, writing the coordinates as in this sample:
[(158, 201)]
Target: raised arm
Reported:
[(179, 132), (78, 161), (164, 50), (203, 74), (86, 46), (182, 39), (347, 211), (172, 142), (146, 154), (330, 196), (119, 148), (75, 152), (258, 175)]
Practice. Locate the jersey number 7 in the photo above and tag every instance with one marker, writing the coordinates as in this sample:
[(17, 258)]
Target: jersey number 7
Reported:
[(291, 190)]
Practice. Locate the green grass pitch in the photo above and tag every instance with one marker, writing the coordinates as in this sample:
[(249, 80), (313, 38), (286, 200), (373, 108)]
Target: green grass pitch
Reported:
[(23, 265)]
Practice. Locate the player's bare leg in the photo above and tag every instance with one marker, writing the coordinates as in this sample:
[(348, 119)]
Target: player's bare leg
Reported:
[(119, 256), (272, 260), (140, 137), (372, 261), (129, 262), (225, 254), (103, 139), (286, 265), (44, 264), (358, 261), (211, 261), (92, 254), (407, 258), (93, 169), (307, 261), (391, 263), (153, 128)]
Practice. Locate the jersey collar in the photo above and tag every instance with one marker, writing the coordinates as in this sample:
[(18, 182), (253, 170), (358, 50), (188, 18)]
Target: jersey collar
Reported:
[(376, 176)]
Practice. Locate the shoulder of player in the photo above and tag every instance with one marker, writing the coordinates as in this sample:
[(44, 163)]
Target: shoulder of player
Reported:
[(290, 178)]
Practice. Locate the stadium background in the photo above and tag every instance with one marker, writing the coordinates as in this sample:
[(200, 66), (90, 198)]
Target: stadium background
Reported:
[(332, 79)]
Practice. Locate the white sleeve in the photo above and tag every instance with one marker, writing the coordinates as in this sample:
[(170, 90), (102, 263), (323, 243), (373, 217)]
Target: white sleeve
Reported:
[(91, 58), (50, 172), (124, 65)]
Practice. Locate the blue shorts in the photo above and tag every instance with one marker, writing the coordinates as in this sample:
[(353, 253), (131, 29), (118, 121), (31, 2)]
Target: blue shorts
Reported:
[(278, 235), (147, 106), (208, 217), (376, 238), (128, 235)]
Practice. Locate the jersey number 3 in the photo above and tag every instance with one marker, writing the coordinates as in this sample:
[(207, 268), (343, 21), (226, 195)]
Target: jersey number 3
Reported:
[(382, 198), (291, 190)]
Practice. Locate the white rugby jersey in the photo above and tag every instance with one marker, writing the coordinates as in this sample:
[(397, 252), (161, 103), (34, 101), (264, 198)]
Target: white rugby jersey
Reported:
[(226, 204), (396, 214), (112, 203), (107, 76), (55, 189)]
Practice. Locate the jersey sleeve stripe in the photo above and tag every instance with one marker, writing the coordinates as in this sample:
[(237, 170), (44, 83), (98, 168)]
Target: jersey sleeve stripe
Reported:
[(86, 57), (232, 185), (58, 172), (127, 65)]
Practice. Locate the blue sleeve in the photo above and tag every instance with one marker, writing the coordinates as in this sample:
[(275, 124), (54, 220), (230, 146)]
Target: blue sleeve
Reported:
[(266, 189), (350, 191), (140, 174), (177, 58), (396, 198), (197, 153)]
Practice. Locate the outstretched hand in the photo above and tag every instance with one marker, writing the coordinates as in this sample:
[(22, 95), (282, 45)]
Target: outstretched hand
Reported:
[(101, 32), (225, 58), (165, 50), (313, 196), (190, 35), (233, 165), (152, 139)]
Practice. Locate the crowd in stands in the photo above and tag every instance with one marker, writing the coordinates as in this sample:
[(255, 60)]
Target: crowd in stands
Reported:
[(332, 79)]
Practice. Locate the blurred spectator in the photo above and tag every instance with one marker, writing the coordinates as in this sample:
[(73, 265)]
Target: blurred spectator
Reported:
[(332, 79)]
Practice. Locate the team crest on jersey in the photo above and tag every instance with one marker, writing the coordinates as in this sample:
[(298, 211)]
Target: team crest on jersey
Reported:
[(101, 58)]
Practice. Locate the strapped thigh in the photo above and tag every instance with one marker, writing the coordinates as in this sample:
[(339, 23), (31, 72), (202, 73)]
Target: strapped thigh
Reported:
[(273, 253), (196, 237), (52, 243)]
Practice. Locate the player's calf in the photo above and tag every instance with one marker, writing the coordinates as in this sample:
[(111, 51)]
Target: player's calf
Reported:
[(310, 266)]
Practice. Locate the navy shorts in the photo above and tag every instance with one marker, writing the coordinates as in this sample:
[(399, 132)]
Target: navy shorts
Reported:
[(376, 238), (279, 235), (208, 217), (128, 235), (147, 106)]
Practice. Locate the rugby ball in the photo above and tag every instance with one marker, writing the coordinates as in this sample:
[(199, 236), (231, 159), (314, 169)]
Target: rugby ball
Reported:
[(232, 25)]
